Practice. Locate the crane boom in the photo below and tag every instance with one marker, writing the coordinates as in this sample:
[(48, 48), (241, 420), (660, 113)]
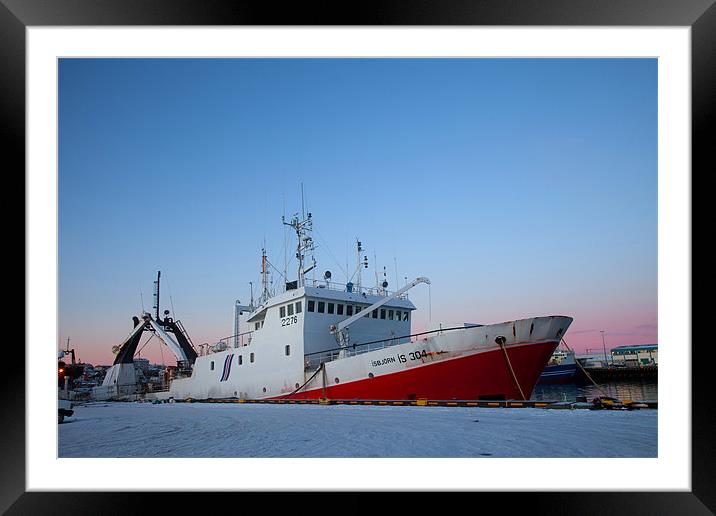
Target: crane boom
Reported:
[(171, 343), (339, 329)]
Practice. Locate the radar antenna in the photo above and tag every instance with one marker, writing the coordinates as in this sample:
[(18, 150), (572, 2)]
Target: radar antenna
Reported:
[(305, 244)]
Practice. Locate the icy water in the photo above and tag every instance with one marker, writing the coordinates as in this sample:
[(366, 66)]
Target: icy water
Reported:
[(623, 390), (257, 430)]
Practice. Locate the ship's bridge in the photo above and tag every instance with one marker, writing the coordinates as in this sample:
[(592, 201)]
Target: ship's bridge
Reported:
[(313, 309)]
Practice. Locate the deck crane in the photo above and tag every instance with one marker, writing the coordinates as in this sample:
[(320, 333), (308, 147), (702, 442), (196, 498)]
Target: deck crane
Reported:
[(340, 330)]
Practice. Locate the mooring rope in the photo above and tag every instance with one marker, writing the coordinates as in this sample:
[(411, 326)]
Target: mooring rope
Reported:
[(584, 370), (501, 342), (323, 365)]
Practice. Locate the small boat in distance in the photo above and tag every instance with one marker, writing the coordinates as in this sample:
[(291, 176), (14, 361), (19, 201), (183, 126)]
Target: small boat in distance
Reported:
[(561, 368)]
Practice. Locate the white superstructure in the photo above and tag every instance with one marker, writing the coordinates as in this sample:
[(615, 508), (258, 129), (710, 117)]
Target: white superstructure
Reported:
[(323, 339)]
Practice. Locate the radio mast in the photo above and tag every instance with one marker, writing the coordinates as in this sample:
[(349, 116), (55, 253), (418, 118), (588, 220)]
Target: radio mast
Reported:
[(305, 243), (265, 294), (156, 297)]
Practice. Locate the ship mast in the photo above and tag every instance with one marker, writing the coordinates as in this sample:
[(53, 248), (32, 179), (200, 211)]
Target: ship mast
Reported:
[(237, 313), (156, 297), (265, 294), (305, 243), (360, 264)]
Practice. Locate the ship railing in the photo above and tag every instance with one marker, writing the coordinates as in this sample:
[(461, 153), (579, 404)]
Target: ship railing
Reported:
[(342, 287), (314, 360), (238, 340)]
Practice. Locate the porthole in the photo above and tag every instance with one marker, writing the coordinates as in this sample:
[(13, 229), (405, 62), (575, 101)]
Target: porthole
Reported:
[(370, 375), (297, 385), (337, 380), (264, 389)]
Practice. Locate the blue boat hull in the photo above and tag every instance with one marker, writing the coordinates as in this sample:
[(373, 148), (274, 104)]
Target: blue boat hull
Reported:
[(555, 374)]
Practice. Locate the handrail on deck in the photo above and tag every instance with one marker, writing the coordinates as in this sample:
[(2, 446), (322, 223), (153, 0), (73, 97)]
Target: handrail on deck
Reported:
[(328, 355), (342, 287), (237, 335)]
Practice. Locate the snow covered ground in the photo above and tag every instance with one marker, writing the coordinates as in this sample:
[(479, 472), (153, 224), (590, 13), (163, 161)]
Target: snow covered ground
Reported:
[(259, 430)]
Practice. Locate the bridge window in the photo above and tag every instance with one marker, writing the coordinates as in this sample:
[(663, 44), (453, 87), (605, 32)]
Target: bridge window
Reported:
[(282, 311), (349, 309), (321, 307), (382, 313), (212, 365), (330, 308), (251, 358), (288, 350), (298, 307), (339, 309), (257, 325), (375, 313), (358, 308), (241, 359), (311, 305), (290, 309), (390, 314), (405, 315)]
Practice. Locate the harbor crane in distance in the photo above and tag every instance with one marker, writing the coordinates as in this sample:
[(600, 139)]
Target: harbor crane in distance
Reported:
[(340, 330)]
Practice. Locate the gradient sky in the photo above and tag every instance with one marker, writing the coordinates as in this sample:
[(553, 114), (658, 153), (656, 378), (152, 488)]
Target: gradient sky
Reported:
[(520, 187)]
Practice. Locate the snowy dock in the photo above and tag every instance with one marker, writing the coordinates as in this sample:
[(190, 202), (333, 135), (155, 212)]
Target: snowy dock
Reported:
[(623, 404), (343, 430)]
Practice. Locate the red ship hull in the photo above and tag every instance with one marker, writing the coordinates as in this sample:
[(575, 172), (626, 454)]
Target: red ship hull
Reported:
[(483, 375)]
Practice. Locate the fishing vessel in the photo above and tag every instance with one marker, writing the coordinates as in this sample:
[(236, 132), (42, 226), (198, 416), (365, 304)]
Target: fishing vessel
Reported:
[(561, 368), (319, 339)]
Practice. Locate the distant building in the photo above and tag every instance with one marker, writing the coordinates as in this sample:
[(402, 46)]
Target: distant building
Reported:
[(141, 364), (636, 356)]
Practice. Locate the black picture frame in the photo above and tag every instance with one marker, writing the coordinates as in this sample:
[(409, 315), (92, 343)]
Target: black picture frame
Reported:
[(699, 15)]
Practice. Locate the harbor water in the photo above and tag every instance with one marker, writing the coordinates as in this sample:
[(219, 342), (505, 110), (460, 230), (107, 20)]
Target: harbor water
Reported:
[(637, 390)]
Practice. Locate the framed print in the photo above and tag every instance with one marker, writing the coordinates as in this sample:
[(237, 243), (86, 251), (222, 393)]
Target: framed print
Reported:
[(533, 159)]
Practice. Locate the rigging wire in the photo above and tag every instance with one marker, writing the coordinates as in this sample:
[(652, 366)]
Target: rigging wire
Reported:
[(274, 268), (161, 351), (329, 252), (430, 305), (145, 344), (171, 300)]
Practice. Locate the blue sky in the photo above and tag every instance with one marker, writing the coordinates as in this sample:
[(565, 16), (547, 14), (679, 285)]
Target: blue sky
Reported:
[(520, 187)]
